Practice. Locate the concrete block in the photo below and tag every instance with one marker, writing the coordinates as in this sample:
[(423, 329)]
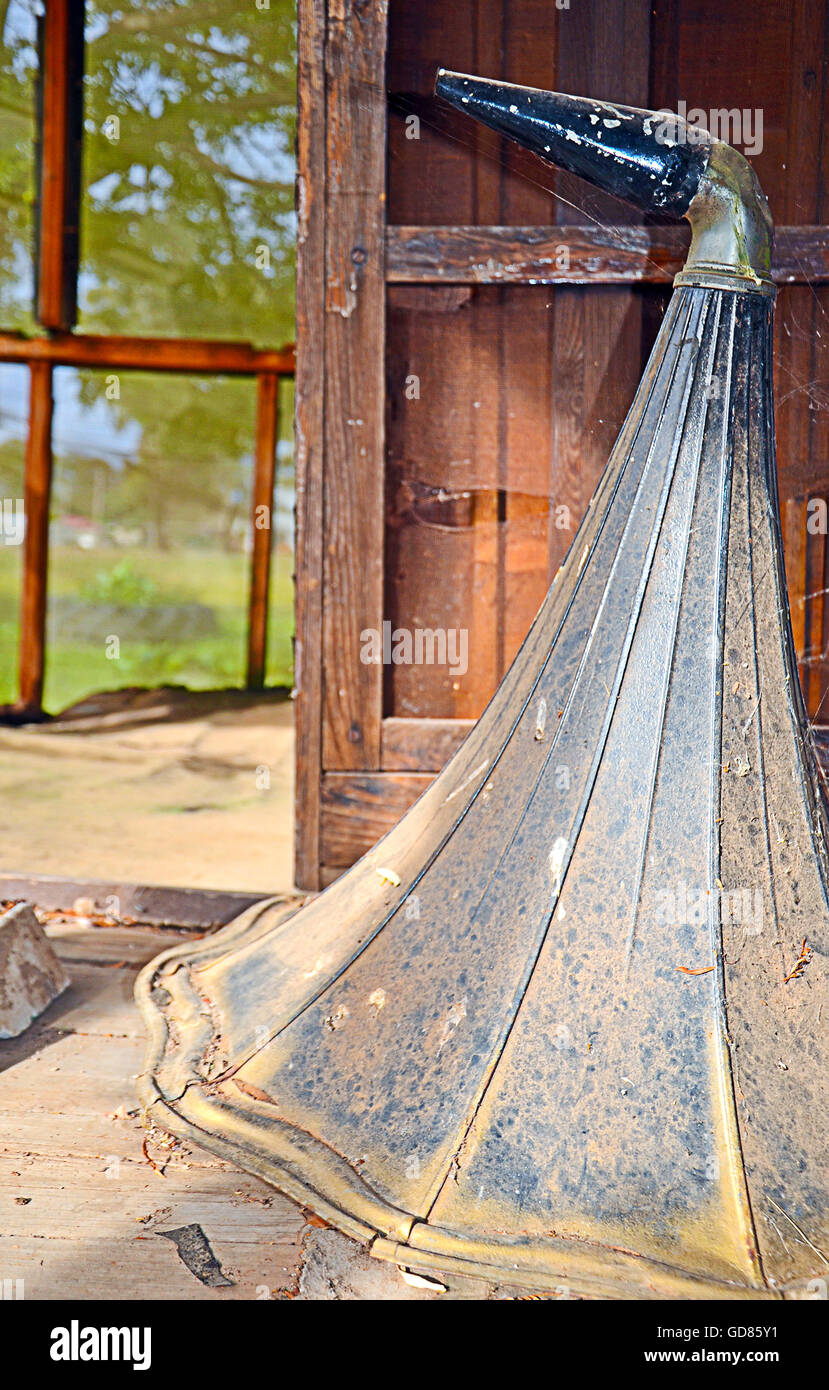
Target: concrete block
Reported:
[(31, 975)]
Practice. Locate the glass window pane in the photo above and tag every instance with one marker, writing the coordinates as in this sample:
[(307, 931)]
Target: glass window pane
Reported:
[(150, 532), (187, 225)]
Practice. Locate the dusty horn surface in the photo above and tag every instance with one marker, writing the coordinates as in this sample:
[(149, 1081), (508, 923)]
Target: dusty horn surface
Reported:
[(548, 1028)]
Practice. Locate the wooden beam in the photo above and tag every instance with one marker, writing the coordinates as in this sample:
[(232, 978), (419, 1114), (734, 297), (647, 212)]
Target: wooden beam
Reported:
[(576, 255), (358, 807), (264, 472), (60, 122), (310, 386), (37, 489), (797, 330), (421, 745), (139, 904), (354, 368), (597, 347), (196, 355)]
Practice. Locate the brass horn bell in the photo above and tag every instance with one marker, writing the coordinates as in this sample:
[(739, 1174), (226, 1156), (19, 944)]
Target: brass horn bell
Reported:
[(566, 1023)]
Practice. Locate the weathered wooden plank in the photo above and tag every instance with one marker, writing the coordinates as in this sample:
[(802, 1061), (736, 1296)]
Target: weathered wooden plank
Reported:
[(797, 319), (76, 1227), (59, 1089), (146, 1267), (62, 1081), (421, 745), (99, 999), (468, 470), (597, 334), (813, 403), (358, 807), (576, 255), (440, 446), (482, 604), (530, 40), (236, 1205), (354, 369), (486, 461), (380, 799), (76, 939), (309, 445), (570, 254), (153, 905), (436, 155), (442, 496)]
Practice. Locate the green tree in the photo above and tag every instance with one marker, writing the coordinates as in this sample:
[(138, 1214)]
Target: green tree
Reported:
[(187, 229), (188, 223), (18, 66)]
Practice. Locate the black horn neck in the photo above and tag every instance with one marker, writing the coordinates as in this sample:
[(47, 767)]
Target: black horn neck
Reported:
[(650, 158)]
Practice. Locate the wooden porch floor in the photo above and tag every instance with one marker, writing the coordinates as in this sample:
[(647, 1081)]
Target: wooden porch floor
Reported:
[(82, 1204), (87, 1192)]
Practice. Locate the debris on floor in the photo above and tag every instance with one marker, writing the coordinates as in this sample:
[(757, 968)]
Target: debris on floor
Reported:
[(194, 1248), (31, 976)]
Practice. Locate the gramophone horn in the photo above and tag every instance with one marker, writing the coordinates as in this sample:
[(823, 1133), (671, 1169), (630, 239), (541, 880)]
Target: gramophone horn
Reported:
[(563, 1024)]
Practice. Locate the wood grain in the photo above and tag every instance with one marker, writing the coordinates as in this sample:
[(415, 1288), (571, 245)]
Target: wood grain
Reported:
[(576, 255), (421, 745), (354, 378), (799, 314), (359, 807), (597, 342), (82, 1207), (309, 406)]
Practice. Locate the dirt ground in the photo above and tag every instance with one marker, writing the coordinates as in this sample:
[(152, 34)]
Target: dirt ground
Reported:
[(156, 786)]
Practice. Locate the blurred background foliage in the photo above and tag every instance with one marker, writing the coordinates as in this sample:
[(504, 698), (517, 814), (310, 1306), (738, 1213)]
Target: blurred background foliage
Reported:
[(187, 230)]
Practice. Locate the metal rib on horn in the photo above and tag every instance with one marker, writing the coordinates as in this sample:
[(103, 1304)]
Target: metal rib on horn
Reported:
[(552, 1028)]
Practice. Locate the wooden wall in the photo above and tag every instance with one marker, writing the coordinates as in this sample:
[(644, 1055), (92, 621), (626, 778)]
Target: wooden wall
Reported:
[(459, 392)]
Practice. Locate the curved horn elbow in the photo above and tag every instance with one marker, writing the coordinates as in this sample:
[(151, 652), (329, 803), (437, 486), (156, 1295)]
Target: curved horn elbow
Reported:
[(732, 227)]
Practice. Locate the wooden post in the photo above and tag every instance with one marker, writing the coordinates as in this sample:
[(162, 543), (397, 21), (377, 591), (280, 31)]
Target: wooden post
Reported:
[(798, 315), (37, 488), (267, 438), (60, 99), (310, 318), (355, 385)]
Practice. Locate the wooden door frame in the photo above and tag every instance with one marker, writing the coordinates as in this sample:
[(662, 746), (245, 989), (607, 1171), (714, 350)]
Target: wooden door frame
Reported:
[(340, 425)]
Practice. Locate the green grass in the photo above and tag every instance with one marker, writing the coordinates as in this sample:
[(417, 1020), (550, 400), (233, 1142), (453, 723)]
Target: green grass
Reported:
[(211, 577)]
